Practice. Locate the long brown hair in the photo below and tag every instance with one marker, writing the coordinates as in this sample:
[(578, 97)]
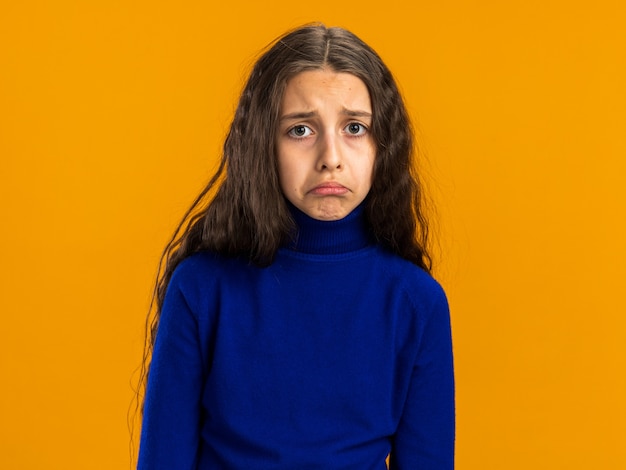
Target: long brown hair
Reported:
[(242, 212)]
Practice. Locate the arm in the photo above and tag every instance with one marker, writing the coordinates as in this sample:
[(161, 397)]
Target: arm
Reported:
[(170, 432), (425, 436)]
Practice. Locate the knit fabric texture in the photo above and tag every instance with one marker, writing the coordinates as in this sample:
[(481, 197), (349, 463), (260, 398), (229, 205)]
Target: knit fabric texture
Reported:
[(333, 357)]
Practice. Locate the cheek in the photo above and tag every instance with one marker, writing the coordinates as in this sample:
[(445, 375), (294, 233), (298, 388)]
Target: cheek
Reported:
[(370, 168), (282, 166), (283, 180), (291, 168), (287, 176)]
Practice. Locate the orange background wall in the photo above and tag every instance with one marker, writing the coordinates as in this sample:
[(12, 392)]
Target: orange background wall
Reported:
[(111, 117)]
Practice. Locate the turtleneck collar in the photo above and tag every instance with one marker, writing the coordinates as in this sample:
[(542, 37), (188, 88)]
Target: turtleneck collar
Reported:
[(330, 237)]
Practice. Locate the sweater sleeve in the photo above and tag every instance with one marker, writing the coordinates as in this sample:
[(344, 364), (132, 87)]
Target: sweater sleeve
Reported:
[(170, 432), (425, 436)]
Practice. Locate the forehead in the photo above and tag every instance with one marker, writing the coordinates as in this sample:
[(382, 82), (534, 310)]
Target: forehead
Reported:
[(312, 89)]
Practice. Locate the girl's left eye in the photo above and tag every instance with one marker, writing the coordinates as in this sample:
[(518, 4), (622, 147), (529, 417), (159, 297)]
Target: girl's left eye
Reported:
[(355, 129)]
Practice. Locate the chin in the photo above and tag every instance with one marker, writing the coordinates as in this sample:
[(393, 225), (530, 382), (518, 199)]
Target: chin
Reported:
[(328, 209), (329, 218), (328, 214)]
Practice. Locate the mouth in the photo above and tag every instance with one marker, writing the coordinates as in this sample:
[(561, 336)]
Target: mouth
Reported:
[(329, 189)]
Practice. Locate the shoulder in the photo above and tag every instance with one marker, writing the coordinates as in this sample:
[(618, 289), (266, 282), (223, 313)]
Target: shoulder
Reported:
[(420, 288), (205, 265), (426, 310), (198, 282), (196, 267), (201, 274)]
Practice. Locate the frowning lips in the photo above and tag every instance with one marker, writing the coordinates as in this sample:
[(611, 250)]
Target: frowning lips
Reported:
[(329, 188)]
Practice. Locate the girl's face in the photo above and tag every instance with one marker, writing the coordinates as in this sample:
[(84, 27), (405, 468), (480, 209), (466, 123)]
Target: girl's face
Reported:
[(325, 150)]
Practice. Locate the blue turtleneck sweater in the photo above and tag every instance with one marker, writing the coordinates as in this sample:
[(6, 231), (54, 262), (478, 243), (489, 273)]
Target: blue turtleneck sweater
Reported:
[(333, 357)]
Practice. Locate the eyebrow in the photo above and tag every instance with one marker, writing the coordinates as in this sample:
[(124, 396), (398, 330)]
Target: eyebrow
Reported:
[(298, 115), (356, 113), (310, 114)]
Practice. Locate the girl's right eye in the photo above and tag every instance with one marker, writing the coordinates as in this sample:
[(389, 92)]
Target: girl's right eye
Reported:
[(300, 131)]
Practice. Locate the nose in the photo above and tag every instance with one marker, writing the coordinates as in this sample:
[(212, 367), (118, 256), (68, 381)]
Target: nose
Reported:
[(330, 157)]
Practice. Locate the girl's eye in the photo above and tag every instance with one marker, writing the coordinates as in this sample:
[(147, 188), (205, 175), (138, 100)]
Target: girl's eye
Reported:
[(300, 131), (356, 129)]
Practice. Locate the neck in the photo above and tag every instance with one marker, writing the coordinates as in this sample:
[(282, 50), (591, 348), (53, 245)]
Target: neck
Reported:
[(330, 237)]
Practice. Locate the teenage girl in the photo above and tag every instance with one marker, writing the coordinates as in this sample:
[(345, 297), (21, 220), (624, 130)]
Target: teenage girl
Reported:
[(297, 325)]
